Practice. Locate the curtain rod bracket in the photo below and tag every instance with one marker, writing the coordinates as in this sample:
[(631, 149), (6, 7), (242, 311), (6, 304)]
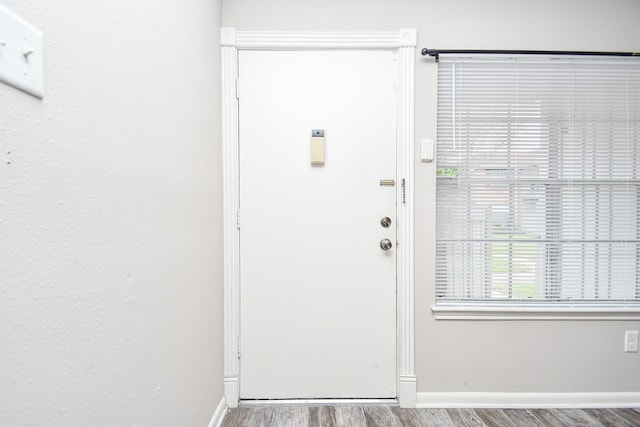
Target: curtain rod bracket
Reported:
[(431, 52)]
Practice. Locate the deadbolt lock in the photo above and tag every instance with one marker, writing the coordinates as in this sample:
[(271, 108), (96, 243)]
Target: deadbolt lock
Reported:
[(385, 222)]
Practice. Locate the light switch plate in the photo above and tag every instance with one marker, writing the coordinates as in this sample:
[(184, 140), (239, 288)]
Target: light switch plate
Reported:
[(21, 53)]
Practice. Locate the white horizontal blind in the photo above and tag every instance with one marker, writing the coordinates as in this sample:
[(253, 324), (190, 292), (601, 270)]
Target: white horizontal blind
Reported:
[(538, 179)]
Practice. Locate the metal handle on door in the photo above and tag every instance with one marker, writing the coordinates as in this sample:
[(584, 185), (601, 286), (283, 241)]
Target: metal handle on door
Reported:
[(385, 244)]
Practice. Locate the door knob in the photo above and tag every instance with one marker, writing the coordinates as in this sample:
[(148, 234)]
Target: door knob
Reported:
[(385, 244), (385, 222)]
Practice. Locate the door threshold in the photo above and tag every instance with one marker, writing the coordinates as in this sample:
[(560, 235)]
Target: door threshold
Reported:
[(317, 402)]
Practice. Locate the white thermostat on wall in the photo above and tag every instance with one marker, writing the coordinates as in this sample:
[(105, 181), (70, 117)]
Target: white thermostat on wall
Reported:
[(426, 150)]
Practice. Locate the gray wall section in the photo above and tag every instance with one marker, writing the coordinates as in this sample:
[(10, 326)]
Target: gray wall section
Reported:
[(110, 219), (482, 356)]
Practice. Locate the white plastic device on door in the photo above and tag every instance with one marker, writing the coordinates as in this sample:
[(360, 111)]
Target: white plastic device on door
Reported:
[(317, 147)]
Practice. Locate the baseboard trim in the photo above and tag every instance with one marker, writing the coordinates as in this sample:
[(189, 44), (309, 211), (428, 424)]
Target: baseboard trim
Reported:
[(528, 400), (218, 415)]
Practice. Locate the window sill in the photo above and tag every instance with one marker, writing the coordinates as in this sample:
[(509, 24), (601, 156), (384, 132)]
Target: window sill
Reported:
[(461, 311)]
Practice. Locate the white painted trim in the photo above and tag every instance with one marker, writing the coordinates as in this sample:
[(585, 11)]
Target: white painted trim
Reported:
[(231, 186), (528, 312), (405, 41), (529, 400), (407, 392), (218, 415), (286, 40), (232, 391), (405, 248)]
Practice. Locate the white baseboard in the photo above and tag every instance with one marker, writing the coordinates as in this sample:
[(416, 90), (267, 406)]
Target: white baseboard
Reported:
[(218, 415), (528, 400)]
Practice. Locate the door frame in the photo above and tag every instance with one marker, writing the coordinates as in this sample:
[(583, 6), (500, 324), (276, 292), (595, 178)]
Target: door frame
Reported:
[(404, 41)]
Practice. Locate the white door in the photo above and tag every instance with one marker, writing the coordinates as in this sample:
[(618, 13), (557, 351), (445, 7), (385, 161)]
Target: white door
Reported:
[(317, 291)]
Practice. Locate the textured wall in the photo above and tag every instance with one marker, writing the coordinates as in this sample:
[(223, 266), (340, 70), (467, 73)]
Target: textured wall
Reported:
[(484, 356), (110, 219)]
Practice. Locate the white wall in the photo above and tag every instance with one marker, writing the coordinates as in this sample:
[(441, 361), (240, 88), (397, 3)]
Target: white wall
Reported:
[(483, 356), (110, 219)]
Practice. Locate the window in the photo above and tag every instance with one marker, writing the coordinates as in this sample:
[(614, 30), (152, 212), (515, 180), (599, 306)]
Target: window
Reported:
[(538, 180)]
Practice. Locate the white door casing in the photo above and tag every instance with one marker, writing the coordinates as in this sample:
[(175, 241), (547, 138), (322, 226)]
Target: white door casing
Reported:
[(404, 41)]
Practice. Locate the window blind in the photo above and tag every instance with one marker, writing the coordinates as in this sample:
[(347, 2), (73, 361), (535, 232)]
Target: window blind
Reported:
[(538, 185)]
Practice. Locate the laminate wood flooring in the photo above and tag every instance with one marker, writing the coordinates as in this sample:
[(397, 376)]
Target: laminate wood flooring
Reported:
[(393, 416)]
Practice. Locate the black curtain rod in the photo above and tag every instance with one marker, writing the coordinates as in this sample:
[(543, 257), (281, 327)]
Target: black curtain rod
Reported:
[(436, 52)]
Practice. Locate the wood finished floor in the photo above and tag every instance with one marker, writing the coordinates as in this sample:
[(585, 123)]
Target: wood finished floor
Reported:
[(392, 416)]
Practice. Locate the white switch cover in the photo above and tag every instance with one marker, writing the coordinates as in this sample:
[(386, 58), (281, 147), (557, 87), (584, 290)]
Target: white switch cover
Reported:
[(631, 341), (21, 53)]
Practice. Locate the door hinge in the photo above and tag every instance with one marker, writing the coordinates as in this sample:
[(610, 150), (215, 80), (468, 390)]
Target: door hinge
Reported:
[(238, 219), (237, 88)]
